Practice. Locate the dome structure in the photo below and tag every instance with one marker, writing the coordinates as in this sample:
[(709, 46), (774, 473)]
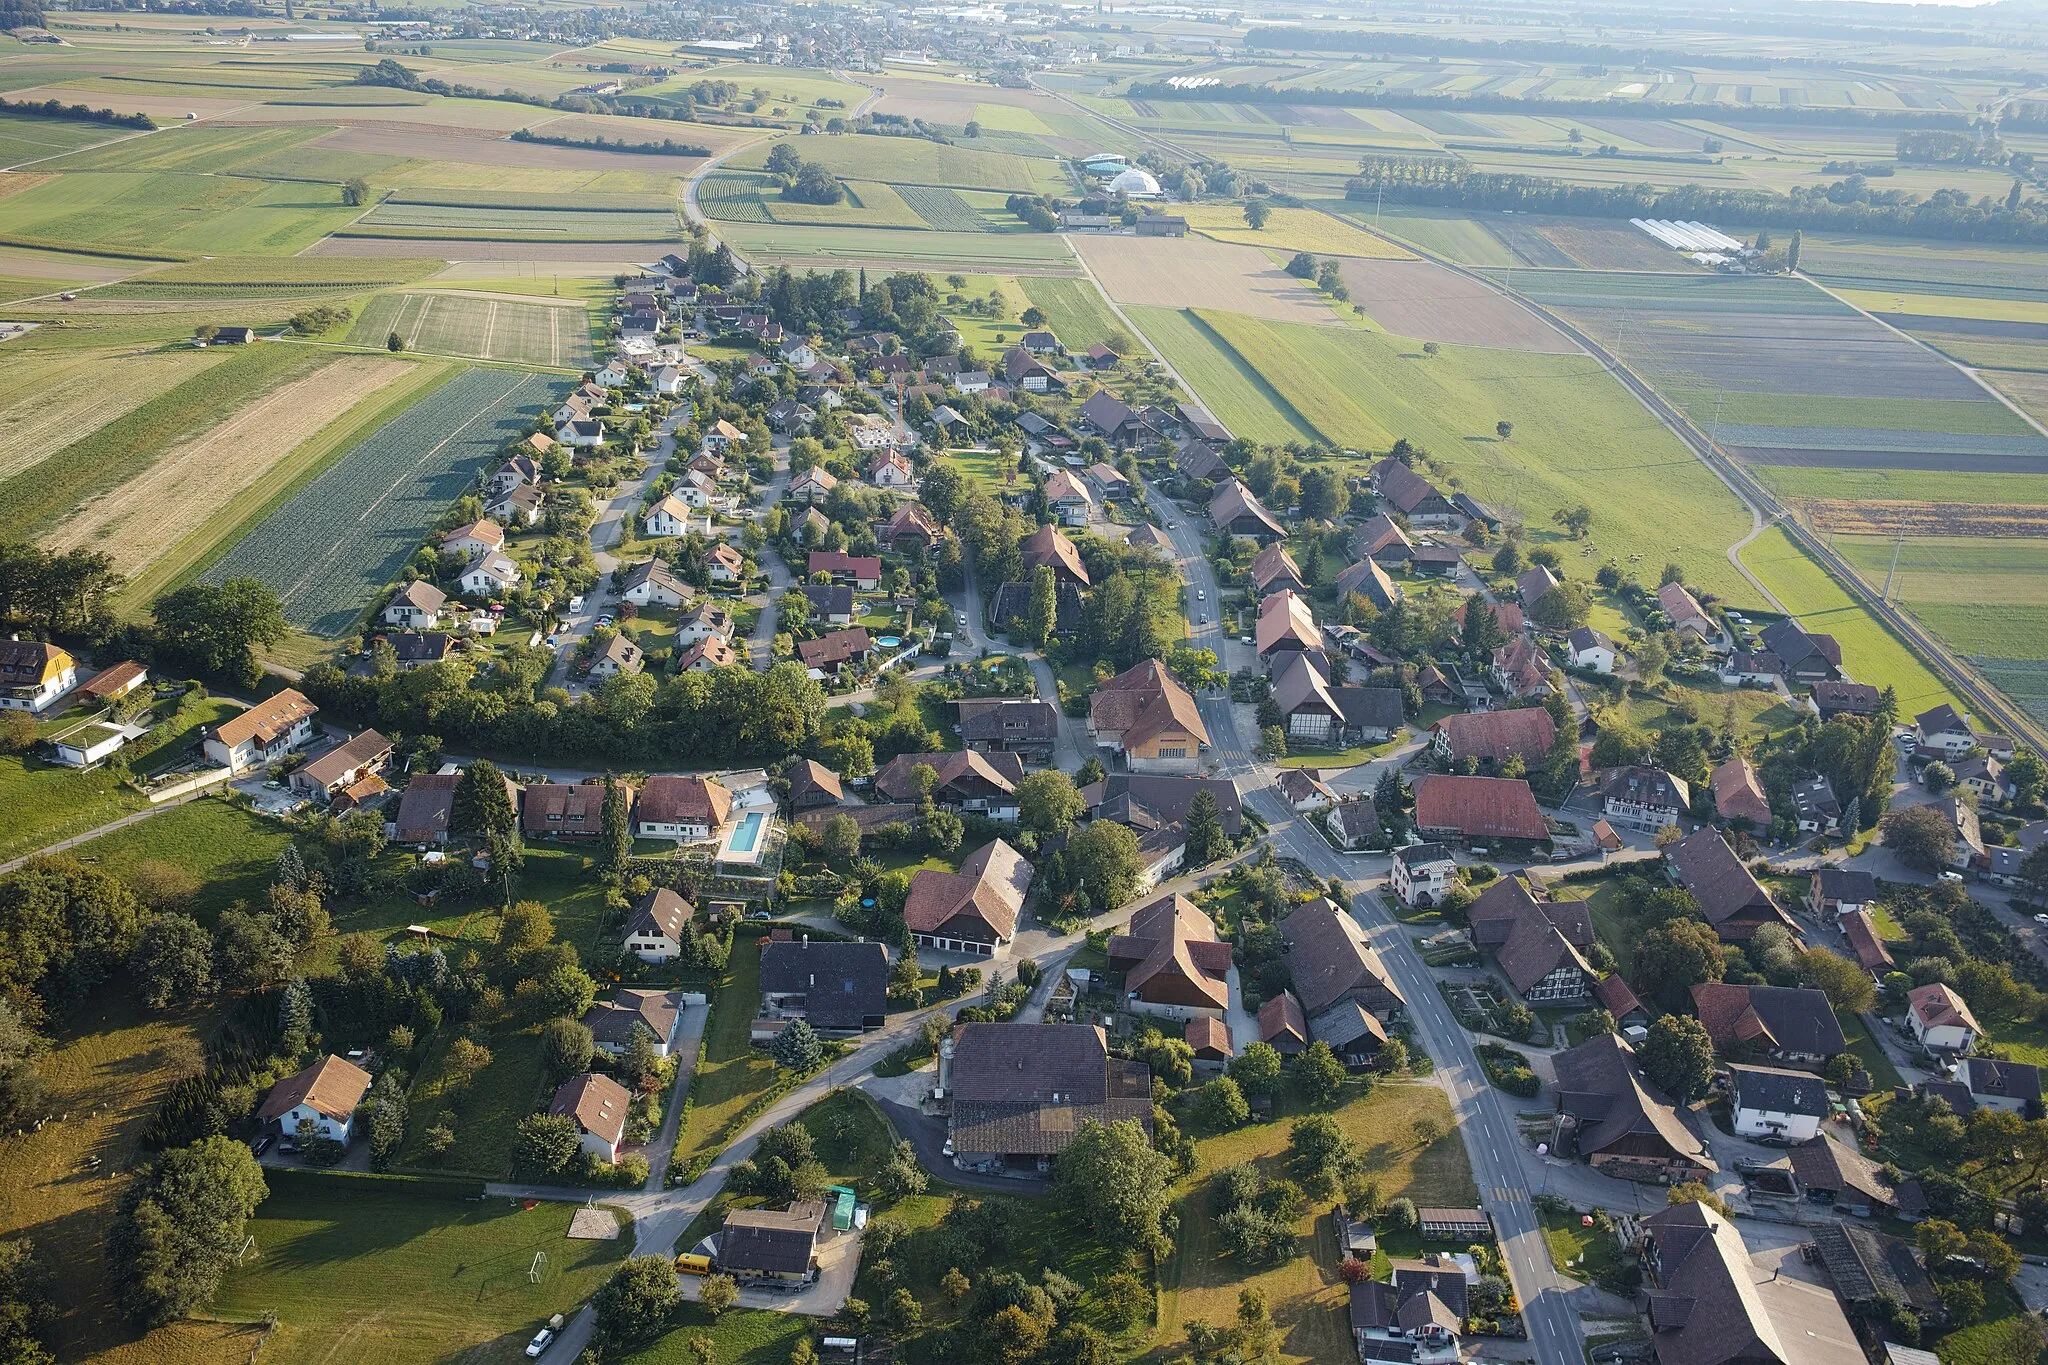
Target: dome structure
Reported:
[(1135, 183)]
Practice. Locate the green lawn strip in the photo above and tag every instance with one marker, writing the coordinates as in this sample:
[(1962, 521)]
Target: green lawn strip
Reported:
[(397, 1276), (231, 850), (1074, 309), (1883, 1075), (1232, 391), (739, 1337), (1798, 482), (48, 803), (1613, 925), (245, 511), (732, 1073), (484, 1113), (125, 446), (1305, 1293), (1583, 1253), (1870, 652)]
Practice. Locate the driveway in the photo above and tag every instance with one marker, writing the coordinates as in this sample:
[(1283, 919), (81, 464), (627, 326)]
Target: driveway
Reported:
[(838, 1265), (605, 534)]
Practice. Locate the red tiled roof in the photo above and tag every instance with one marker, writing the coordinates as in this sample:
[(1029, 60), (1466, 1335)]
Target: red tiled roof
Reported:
[(1479, 807)]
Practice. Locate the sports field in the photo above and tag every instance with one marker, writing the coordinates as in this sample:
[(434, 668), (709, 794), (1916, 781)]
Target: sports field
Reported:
[(341, 538), (527, 333)]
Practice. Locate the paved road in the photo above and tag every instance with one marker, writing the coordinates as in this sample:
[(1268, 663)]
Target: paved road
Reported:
[(1481, 1113)]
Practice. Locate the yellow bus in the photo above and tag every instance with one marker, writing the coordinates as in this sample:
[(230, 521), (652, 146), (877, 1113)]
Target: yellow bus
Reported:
[(689, 1263)]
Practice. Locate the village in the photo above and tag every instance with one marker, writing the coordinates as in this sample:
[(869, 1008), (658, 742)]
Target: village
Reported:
[(1209, 774)]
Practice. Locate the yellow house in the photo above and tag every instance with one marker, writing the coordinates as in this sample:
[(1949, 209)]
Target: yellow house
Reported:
[(34, 673)]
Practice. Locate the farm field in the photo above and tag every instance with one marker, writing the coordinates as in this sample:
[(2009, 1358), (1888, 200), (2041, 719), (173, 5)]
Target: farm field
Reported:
[(1578, 436), (551, 334), (326, 1253), (36, 139), (916, 161), (343, 536), (1443, 232), (1074, 310), (48, 399), (868, 203), (48, 491), (1870, 653), (522, 221), (1880, 486), (1233, 391), (267, 277), (833, 248), (174, 211), (1193, 272), (1421, 299), (143, 517), (1288, 229)]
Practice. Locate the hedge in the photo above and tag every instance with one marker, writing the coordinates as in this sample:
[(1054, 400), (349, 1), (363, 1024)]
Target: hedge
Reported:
[(282, 1179)]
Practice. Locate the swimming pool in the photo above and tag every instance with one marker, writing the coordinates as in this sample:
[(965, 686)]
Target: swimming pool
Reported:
[(889, 642), (748, 833)]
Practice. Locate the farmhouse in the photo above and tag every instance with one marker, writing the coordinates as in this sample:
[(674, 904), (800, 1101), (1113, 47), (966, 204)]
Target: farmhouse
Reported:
[(1806, 658), (1776, 1105), (1477, 808), (812, 784), (1273, 569), (1003, 725), (1331, 961), (1611, 1118), (974, 910), (325, 1094), (1234, 511), (1022, 1091), (1286, 624), (965, 780), (1368, 580), (1383, 541), (1173, 962), (266, 731), (1489, 739), (1687, 617), (1739, 796), (1149, 719), (1644, 798), (1730, 899), (1712, 1305), (1413, 496), (425, 808), (1047, 548), (1793, 1025), (1155, 808), (1540, 945)]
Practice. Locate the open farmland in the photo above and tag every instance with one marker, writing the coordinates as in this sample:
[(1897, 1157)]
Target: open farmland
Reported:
[(942, 209), (835, 248), (49, 399), (916, 161), (1074, 310), (1230, 387), (173, 211), (1288, 229), (521, 222), (536, 333), (1578, 434), (268, 277), (1420, 299), (142, 518), (1193, 272), (346, 533), (37, 139)]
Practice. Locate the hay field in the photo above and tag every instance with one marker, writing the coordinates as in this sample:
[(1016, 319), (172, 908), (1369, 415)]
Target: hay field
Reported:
[(916, 161), (1289, 229), (143, 517), (534, 333), (48, 400), (1455, 236), (1420, 299), (1194, 272), (1227, 385)]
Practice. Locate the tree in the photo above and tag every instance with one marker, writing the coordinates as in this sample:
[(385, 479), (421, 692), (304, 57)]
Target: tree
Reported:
[(1257, 1069), (180, 1226), (1048, 802), (1672, 958), (294, 1020), (1206, 839), (1041, 616), (1695, 1192), (394, 343), (543, 1145), (1847, 986), (1678, 1057), (1503, 429), (637, 1303), (1034, 316), (1103, 859), (1792, 247), (482, 806), (355, 192), (903, 1177), (1115, 1182), (1576, 521), (1257, 215), (172, 961), (1921, 835), (566, 1048), (1318, 1074), (797, 1047), (1937, 777), (615, 846), (214, 630), (954, 1285), (719, 1293), (1222, 1104), (1321, 1153)]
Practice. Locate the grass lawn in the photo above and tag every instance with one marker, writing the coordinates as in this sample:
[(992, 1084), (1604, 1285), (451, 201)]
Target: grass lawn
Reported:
[(393, 1277), (1888, 928), (985, 467), (741, 1337), (1306, 1295), (109, 1064), (231, 850), (852, 1143), (1339, 758), (47, 803), (733, 1072), (1610, 922), (1581, 1252), (1883, 1075), (1757, 713), (557, 875), (483, 1112), (2006, 1333)]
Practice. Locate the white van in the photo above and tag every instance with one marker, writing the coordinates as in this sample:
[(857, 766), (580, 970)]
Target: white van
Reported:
[(576, 602)]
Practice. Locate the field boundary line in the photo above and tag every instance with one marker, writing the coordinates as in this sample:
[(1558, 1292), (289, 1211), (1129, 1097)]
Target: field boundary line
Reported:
[(490, 325)]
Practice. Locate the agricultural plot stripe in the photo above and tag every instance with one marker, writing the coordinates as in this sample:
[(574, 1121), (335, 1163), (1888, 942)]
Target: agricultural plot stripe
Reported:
[(1868, 438), (345, 535)]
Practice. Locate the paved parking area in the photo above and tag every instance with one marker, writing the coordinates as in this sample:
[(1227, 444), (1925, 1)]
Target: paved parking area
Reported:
[(838, 1264)]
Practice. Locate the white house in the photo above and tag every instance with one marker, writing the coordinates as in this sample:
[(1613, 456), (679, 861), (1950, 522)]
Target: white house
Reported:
[(658, 928), (651, 583), (1945, 730), (489, 576), (720, 435), (813, 486), (2012, 1086), (1777, 1105), (33, 674), (891, 470), (614, 374), (599, 1105), (270, 729), (1940, 1019), (725, 564), (667, 381), (1591, 649), (612, 1022), (703, 621), (1422, 873), (695, 489), (681, 807), (669, 517), (586, 433), (84, 745), (477, 538), (799, 355), (326, 1093)]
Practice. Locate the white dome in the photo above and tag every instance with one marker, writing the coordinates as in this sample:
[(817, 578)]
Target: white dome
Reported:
[(1134, 181)]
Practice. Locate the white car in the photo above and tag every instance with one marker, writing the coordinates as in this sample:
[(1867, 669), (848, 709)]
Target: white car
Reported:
[(1949, 877), (2041, 919), (963, 619), (542, 1339), (1201, 594)]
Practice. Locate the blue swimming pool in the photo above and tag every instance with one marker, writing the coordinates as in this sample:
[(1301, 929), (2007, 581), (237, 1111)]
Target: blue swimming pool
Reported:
[(749, 832), (889, 641)]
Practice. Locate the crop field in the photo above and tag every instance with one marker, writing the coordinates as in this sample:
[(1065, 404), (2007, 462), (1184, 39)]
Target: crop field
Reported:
[(1870, 653), (201, 149), (269, 277), (551, 334), (732, 197), (1904, 309), (943, 209), (834, 248), (1421, 299), (1455, 236), (1193, 272), (1578, 436), (145, 516), (34, 139), (1956, 269), (868, 204), (1288, 229), (49, 399), (916, 161), (48, 490), (174, 212), (1232, 389), (343, 536), (528, 222), (1798, 484), (1074, 310)]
